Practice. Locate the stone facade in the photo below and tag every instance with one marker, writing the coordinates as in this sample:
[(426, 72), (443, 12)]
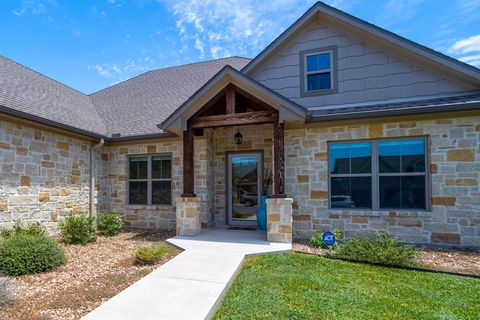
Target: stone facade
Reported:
[(454, 218), (279, 220), (114, 177), (44, 176), (188, 216)]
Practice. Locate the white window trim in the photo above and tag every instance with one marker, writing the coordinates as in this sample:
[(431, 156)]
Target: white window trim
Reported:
[(375, 175), (306, 73), (149, 180)]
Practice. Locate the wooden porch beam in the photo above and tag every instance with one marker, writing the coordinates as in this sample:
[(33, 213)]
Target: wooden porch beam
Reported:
[(279, 160), (188, 168), (230, 99), (236, 119)]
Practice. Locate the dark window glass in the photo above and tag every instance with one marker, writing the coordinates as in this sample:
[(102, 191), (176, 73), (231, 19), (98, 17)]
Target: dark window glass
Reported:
[(351, 192), (347, 158), (161, 167), (318, 81), (401, 156), (318, 62), (161, 192), (406, 192), (138, 192), (138, 168)]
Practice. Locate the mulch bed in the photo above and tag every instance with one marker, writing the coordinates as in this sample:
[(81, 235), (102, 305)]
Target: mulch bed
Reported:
[(94, 273), (450, 260)]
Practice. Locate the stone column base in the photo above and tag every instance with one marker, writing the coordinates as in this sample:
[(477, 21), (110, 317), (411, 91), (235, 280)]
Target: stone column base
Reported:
[(188, 216), (279, 220)]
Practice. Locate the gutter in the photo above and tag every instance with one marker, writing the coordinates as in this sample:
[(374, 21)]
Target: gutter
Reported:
[(91, 211), (393, 111)]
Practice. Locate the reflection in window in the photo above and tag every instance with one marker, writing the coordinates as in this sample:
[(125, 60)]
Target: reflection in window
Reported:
[(351, 181), (399, 182), (318, 71)]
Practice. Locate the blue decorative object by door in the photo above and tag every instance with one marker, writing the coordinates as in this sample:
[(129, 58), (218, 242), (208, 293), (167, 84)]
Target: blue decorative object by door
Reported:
[(262, 214)]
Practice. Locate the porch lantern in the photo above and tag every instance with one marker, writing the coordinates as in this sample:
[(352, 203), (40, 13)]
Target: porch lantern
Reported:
[(238, 137)]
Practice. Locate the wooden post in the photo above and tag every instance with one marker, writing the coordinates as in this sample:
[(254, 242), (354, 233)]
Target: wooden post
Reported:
[(188, 168), (230, 99), (279, 160)]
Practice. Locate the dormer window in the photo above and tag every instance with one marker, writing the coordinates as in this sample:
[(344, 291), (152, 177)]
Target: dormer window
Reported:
[(318, 71)]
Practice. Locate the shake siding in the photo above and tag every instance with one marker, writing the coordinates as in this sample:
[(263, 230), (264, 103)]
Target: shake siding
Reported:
[(365, 72)]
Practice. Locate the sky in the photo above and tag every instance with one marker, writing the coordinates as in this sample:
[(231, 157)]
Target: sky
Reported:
[(90, 45)]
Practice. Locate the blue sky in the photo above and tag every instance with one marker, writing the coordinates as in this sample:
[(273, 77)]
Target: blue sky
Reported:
[(90, 45)]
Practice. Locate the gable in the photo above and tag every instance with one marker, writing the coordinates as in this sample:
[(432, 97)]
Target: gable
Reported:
[(366, 72)]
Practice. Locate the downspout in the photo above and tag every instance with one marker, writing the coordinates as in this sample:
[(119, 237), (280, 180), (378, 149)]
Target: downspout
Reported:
[(91, 211)]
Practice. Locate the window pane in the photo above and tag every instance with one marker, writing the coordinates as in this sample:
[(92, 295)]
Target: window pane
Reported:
[(402, 156), (161, 192), (318, 81), (137, 192), (318, 62), (351, 192), (138, 168), (346, 158), (402, 192), (161, 167)]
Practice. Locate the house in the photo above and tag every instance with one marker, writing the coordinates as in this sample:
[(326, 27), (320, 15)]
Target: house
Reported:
[(362, 129)]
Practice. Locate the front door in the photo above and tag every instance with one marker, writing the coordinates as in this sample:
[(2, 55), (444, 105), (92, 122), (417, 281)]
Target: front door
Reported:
[(244, 173)]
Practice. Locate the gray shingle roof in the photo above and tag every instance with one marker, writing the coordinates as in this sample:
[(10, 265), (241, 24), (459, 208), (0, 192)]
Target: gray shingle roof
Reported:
[(24, 90), (138, 105), (460, 102)]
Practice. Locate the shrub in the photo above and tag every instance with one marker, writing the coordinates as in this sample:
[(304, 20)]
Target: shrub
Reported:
[(317, 240), (78, 229), (151, 254), (8, 291), (109, 223), (25, 253), (33, 229), (378, 248)]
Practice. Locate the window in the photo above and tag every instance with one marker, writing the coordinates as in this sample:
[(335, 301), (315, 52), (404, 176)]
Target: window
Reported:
[(380, 174), (318, 71), (150, 180)]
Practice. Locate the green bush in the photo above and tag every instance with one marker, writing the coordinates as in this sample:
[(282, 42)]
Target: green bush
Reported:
[(33, 229), (151, 254), (109, 223), (317, 240), (78, 229), (25, 253), (378, 248)]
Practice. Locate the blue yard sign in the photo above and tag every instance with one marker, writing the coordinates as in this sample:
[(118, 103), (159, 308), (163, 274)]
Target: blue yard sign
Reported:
[(328, 238)]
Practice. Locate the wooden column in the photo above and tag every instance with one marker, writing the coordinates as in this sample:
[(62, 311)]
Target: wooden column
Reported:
[(230, 99), (279, 160), (188, 168)]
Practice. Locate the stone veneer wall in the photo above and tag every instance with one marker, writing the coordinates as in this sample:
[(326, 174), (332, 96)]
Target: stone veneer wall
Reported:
[(114, 187), (255, 137), (455, 176), (204, 181), (44, 176)]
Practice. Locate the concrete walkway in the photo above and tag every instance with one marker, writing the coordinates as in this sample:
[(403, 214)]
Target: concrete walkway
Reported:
[(192, 284)]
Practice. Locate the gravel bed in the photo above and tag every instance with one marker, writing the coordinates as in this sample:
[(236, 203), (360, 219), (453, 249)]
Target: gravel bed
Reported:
[(460, 261), (94, 273)]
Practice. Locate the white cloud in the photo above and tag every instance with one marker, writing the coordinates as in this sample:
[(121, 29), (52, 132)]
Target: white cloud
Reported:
[(119, 71), (396, 11), (473, 60), (220, 28), (33, 7), (467, 45)]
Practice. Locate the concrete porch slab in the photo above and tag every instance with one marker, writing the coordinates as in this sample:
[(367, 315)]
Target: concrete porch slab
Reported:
[(191, 285)]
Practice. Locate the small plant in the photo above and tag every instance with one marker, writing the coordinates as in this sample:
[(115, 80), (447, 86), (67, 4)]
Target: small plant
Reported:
[(78, 229), (151, 254), (8, 291), (378, 248), (33, 229), (317, 240), (109, 223), (25, 253)]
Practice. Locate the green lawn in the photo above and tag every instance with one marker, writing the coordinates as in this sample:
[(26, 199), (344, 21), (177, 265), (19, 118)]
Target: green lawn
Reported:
[(299, 286)]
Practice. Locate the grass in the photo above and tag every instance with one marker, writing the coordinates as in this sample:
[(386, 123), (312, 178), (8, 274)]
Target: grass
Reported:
[(300, 286)]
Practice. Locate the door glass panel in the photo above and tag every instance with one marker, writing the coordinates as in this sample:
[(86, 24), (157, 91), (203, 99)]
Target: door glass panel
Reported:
[(244, 190)]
